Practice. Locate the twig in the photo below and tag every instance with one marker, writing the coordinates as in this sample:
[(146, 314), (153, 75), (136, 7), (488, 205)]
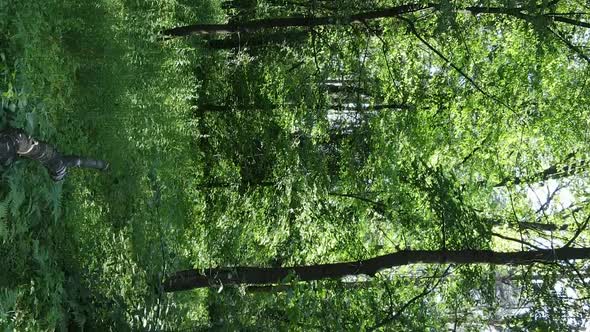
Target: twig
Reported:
[(455, 67), (577, 272), (571, 46), (578, 232), (427, 290), (384, 49), (517, 240)]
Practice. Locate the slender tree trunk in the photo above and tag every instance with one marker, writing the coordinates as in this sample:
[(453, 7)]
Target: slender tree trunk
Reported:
[(359, 197), (234, 108), (532, 225), (256, 25), (259, 40), (358, 284), (189, 279), (340, 107), (289, 287), (362, 108), (342, 88), (216, 185)]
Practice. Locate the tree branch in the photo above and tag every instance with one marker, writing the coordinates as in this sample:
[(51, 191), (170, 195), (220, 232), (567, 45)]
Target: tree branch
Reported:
[(427, 290), (517, 240), (569, 20), (413, 30), (571, 46), (578, 232)]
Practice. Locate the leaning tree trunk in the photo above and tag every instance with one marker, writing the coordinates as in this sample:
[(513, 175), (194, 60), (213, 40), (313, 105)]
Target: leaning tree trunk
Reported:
[(189, 279), (16, 143)]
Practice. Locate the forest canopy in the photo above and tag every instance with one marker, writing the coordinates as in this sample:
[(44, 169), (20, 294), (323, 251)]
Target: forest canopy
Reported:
[(380, 165)]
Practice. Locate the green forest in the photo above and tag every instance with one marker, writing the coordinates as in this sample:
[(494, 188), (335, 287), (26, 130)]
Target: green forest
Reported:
[(295, 165)]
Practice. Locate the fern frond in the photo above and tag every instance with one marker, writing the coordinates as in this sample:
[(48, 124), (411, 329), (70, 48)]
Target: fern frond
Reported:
[(56, 202), (16, 195), (3, 210)]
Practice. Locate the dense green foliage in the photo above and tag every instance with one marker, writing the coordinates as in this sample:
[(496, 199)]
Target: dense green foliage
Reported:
[(435, 130), (91, 78)]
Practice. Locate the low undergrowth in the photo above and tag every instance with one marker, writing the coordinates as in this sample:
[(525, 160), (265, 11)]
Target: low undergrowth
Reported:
[(93, 78)]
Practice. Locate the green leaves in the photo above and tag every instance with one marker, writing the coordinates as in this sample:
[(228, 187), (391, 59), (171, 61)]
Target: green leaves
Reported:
[(303, 146), (487, 95)]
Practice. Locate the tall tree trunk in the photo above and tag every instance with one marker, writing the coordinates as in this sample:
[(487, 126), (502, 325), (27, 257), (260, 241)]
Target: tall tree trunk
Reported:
[(234, 108), (366, 107), (259, 40), (218, 184), (189, 279), (255, 25), (543, 226), (290, 287), (532, 225), (340, 107)]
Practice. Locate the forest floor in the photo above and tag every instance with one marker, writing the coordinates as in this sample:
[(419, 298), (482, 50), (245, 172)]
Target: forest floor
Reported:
[(95, 79)]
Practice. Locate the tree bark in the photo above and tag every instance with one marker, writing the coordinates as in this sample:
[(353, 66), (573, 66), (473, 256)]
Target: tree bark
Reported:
[(189, 279), (532, 225), (256, 25), (216, 184), (363, 108), (259, 40), (290, 287), (543, 226), (340, 107), (234, 108)]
